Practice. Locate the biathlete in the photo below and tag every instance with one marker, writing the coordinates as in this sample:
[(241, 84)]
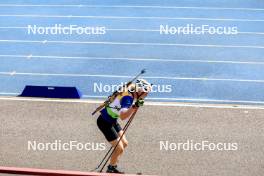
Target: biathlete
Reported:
[(123, 106)]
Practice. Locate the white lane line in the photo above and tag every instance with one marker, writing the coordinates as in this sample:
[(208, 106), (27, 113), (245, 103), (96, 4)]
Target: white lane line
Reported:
[(251, 33), (191, 100), (133, 43), (120, 76), (131, 30), (167, 104), (209, 100), (156, 30), (8, 93), (12, 73), (133, 6), (136, 59), (132, 17)]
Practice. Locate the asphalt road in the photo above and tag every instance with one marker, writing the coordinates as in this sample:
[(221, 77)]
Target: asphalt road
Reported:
[(46, 122)]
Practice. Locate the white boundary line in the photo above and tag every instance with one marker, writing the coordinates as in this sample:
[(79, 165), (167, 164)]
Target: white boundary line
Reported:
[(189, 100), (130, 30), (132, 6), (14, 73), (132, 17), (217, 106), (8, 93), (135, 59), (96, 98), (209, 100), (132, 43), (251, 33)]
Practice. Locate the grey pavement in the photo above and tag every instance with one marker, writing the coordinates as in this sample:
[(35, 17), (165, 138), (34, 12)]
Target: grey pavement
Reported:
[(46, 122)]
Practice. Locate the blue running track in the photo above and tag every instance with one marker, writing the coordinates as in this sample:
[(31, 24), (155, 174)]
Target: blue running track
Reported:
[(200, 68)]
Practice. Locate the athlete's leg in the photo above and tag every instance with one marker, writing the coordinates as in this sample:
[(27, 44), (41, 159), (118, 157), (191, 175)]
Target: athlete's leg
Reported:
[(112, 137), (124, 139), (117, 153), (119, 131), (121, 146), (110, 133)]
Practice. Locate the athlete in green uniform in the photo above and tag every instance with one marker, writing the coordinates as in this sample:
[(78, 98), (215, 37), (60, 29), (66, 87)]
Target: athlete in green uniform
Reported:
[(123, 106)]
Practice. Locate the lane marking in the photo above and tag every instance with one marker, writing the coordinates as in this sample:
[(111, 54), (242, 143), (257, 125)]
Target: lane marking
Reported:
[(149, 103), (132, 6), (12, 73), (135, 59), (209, 100), (131, 30), (156, 30), (120, 76), (252, 33), (132, 17), (8, 93), (132, 43), (188, 100)]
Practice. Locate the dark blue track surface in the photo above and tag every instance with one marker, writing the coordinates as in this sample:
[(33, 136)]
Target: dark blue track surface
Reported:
[(200, 68)]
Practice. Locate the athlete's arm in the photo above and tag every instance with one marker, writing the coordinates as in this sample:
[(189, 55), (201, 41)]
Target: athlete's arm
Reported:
[(126, 113), (144, 95)]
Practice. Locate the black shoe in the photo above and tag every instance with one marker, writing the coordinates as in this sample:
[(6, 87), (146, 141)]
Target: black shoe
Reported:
[(113, 169)]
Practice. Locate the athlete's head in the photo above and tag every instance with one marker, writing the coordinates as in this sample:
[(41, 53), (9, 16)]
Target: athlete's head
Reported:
[(142, 85), (141, 88)]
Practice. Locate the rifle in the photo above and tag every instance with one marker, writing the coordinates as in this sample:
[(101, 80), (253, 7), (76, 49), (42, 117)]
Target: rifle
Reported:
[(112, 97)]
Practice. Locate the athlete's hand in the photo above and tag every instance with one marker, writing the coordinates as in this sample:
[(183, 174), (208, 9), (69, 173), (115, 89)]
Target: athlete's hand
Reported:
[(139, 102)]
